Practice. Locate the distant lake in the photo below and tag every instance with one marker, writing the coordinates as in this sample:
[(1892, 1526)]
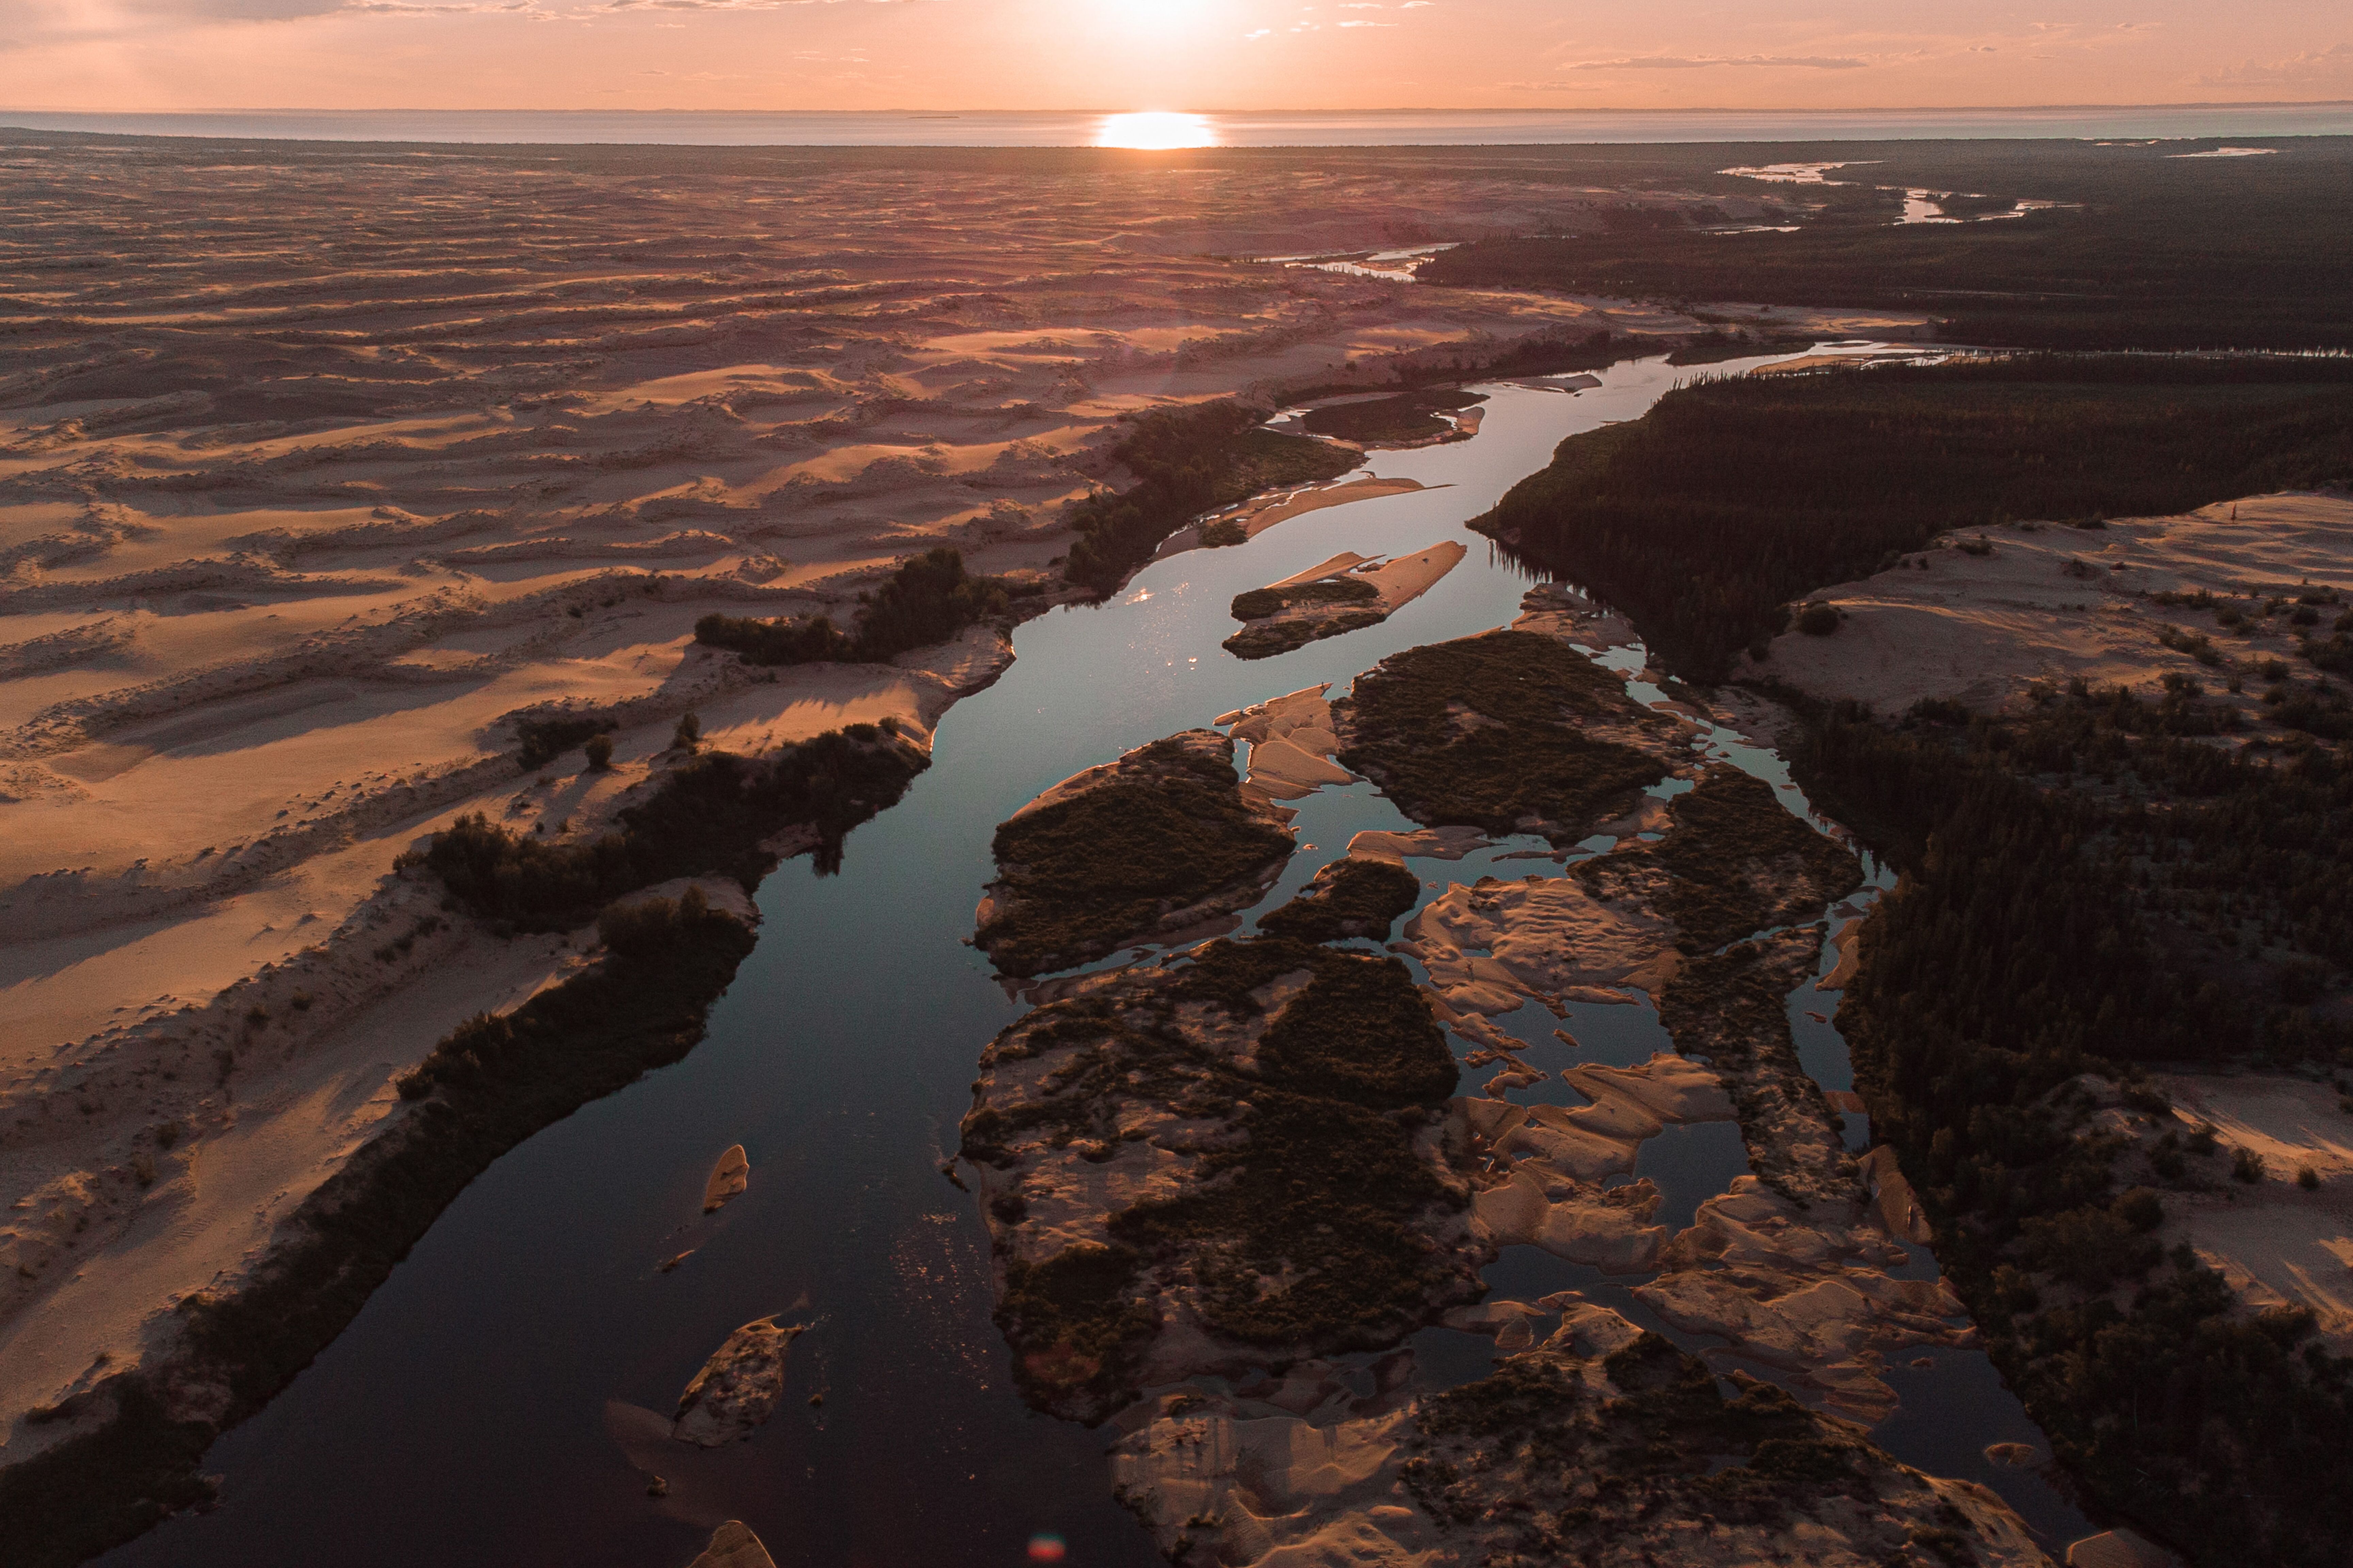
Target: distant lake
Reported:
[(1409, 126)]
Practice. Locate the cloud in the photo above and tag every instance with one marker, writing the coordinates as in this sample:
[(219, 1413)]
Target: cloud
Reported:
[(1261, 33), (2313, 66), (627, 6), (477, 8), (1702, 62), (1364, 24)]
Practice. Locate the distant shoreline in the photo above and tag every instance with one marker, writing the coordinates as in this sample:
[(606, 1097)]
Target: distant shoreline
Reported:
[(1260, 129)]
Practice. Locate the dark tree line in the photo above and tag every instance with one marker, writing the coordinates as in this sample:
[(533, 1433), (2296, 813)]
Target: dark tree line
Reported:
[(2076, 888), (1187, 461), (2146, 251), (1730, 498), (927, 601)]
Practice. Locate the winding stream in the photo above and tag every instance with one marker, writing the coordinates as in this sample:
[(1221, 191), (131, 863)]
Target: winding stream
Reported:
[(484, 1405)]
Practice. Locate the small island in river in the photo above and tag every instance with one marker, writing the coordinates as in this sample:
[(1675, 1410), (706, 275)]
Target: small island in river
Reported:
[(1224, 1188)]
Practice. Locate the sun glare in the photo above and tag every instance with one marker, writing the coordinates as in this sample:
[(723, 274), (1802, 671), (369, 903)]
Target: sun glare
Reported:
[(1154, 129)]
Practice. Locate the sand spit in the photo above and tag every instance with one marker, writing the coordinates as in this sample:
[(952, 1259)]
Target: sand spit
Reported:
[(1255, 516), (729, 1176), (1291, 746), (1804, 1291), (737, 1389), (1342, 595), (732, 1545), (2043, 605), (1428, 842)]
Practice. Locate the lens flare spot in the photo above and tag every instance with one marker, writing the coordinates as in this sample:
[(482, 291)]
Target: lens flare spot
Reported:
[(1046, 1547), (1156, 129)]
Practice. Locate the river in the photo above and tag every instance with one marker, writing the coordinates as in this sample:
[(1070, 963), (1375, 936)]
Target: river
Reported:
[(477, 1410)]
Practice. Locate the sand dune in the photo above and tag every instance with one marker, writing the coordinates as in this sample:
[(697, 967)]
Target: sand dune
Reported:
[(2051, 603), (398, 454)]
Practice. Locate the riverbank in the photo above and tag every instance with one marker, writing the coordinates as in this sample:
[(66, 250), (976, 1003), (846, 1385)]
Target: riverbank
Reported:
[(837, 1059), (277, 610)]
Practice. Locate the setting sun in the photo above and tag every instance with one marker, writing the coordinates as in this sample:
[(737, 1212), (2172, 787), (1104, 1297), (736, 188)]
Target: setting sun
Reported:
[(1153, 130)]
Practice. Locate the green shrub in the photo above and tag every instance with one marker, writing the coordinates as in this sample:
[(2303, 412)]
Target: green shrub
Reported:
[(708, 817), (1260, 602), (544, 740), (927, 601)]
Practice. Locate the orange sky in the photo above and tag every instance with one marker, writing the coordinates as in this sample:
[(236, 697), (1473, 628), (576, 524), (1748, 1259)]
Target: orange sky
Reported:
[(1172, 54)]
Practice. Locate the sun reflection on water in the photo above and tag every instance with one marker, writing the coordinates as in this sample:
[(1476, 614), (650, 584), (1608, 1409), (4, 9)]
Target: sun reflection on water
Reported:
[(1155, 129)]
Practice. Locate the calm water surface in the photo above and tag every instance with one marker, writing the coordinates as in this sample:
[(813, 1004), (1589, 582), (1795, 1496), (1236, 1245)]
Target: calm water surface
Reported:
[(479, 1409)]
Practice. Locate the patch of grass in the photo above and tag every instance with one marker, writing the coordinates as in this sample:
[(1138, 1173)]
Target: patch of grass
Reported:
[(1076, 1326), (1361, 1032), (1351, 896), (1081, 876), (1269, 638), (1488, 731), (1716, 346), (1298, 1233), (1260, 602)]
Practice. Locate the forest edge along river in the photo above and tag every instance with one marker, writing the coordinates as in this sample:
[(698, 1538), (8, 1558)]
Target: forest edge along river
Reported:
[(505, 1395)]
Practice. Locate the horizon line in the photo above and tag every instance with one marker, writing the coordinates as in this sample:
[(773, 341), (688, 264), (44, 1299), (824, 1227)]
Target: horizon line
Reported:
[(1295, 113)]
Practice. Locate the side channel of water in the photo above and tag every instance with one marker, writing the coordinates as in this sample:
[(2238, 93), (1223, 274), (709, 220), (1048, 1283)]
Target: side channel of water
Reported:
[(491, 1404)]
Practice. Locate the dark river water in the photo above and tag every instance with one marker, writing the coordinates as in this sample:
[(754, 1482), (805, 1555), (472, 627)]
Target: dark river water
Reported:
[(483, 1407)]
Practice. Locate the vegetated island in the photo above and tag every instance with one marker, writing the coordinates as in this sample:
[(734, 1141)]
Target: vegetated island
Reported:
[(2099, 1014), (1422, 417), (1233, 1166), (1161, 841), (1345, 594)]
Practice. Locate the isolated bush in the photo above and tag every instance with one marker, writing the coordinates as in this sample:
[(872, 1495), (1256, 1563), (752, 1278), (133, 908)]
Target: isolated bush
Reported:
[(648, 925), (1818, 620), (600, 753)]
